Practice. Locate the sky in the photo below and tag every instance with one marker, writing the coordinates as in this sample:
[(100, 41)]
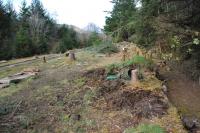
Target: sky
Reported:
[(75, 12)]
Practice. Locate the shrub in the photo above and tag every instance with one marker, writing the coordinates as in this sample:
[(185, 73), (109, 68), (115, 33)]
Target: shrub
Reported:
[(109, 49), (105, 47), (138, 61), (111, 69)]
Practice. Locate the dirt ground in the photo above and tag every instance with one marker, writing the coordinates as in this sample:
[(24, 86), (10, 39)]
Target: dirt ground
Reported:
[(186, 101), (75, 97)]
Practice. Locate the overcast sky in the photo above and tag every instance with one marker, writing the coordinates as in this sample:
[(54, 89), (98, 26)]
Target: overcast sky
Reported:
[(75, 12)]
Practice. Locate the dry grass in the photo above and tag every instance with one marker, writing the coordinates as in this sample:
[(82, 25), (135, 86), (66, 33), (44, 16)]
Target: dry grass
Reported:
[(171, 122), (149, 83)]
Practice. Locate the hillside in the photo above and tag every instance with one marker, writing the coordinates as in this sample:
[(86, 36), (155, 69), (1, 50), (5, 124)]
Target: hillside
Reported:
[(139, 74), (75, 96)]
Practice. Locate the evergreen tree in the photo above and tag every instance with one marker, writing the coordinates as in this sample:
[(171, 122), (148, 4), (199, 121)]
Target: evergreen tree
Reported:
[(5, 33), (38, 27), (122, 14), (24, 14), (68, 39), (23, 43)]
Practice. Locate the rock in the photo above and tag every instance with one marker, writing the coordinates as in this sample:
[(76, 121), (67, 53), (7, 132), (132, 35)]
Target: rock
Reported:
[(75, 117), (190, 123)]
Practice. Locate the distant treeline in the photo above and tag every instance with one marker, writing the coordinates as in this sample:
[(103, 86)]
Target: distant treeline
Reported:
[(33, 31)]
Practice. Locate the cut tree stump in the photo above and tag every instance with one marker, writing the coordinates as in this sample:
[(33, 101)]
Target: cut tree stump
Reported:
[(72, 56), (44, 59), (133, 75), (134, 78)]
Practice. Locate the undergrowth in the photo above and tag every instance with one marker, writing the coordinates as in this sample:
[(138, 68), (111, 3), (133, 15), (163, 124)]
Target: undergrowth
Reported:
[(105, 48), (135, 61)]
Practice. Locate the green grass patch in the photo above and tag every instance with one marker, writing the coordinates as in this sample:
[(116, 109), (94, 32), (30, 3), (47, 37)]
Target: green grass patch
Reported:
[(146, 128), (138, 61), (79, 82)]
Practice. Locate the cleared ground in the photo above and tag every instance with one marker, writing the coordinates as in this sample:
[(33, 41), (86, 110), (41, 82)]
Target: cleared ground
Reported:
[(74, 96)]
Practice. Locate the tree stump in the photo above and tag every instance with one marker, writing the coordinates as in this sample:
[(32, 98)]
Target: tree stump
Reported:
[(124, 54), (67, 54), (44, 59), (72, 56), (134, 78), (133, 75)]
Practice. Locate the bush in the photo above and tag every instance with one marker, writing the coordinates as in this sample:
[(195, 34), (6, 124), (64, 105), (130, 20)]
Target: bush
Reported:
[(94, 39), (137, 61), (109, 49), (112, 69), (105, 47)]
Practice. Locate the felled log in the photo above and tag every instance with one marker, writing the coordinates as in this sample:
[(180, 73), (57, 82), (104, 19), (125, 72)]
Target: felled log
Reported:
[(3, 86), (16, 78)]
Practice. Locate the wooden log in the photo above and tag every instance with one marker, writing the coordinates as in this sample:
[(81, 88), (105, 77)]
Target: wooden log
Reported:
[(16, 78), (3, 86)]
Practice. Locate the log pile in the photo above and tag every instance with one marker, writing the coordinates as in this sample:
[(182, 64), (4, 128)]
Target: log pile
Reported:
[(16, 78)]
